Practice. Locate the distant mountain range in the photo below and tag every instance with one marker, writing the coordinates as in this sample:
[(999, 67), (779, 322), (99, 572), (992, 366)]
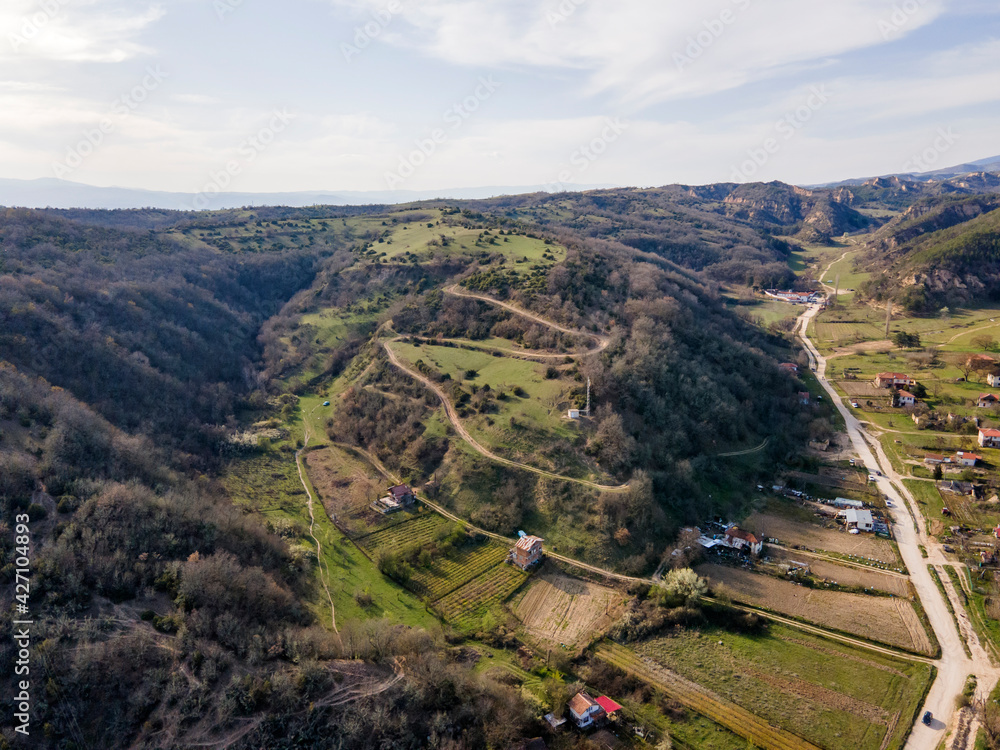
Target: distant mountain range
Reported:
[(53, 193), (990, 164)]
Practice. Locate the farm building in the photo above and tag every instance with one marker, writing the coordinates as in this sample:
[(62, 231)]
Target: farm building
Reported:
[(932, 459), (960, 488), (527, 551), (739, 539), (794, 298), (585, 710), (905, 398), (790, 367), (964, 458), (989, 438), (556, 722), (893, 380), (574, 414), (843, 502), (399, 497), (858, 519), (986, 400), (993, 380)]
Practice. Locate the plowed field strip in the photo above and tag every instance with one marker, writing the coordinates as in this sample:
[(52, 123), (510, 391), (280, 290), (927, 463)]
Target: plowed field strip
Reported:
[(719, 710)]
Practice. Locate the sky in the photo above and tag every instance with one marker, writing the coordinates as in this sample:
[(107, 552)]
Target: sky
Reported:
[(262, 96)]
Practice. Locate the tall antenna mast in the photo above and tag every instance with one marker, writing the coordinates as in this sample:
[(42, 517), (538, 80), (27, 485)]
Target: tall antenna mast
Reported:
[(588, 397)]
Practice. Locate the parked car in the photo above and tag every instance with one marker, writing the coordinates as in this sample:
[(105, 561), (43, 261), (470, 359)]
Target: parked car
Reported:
[(326, 403), (855, 404), (928, 718)]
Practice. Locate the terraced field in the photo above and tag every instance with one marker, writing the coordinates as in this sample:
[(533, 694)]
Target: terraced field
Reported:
[(419, 531), (446, 574), (465, 606)]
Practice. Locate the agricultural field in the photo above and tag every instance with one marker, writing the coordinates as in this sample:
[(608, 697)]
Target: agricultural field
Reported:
[(834, 696), (884, 619), (346, 486), (846, 575), (814, 536), (559, 610), (405, 532), (445, 574), (467, 606)]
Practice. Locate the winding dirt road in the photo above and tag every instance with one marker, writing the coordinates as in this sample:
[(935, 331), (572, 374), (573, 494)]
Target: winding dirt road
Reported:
[(476, 445)]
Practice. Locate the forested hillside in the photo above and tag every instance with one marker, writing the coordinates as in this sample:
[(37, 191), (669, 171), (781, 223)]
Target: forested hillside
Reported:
[(939, 252), (155, 369)]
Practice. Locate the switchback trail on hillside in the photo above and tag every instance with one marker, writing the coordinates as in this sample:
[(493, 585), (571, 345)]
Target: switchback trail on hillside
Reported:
[(475, 444)]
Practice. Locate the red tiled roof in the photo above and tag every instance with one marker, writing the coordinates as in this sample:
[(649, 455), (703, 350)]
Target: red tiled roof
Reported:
[(893, 375), (400, 490), (987, 397), (608, 705), (746, 536), (989, 433), (973, 456), (581, 703), (907, 393), (527, 542)]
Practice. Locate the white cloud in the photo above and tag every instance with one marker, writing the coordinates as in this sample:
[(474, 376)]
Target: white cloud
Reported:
[(88, 31), (643, 53)]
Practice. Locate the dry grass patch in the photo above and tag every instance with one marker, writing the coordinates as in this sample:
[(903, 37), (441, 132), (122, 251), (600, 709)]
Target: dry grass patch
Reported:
[(560, 609)]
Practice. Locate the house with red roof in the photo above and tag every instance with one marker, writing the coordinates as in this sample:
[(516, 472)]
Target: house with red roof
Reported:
[(738, 539), (986, 400), (527, 551), (790, 367), (585, 711), (989, 438), (964, 458), (894, 380), (905, 398)]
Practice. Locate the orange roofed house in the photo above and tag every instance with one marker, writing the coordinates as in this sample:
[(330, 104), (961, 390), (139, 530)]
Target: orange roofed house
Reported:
[(989, 438), (894, 380), (527, 551)]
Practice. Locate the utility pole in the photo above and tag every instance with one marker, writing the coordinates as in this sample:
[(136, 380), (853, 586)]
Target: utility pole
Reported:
[(836, 288), (888, 317), (588, 397)]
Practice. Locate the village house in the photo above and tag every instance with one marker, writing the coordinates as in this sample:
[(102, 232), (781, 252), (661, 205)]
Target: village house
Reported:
[(964, 458), (585, 710), (795, 298), (790, 367), (399, 497), (527, 551), (905, 398), (960, 488), (993, 380), (986, 400), (857, 519), (893, 380), (738, 539), (989, 438)]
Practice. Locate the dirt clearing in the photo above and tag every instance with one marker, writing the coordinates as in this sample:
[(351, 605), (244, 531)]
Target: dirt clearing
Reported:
[(845, 575), (564, 610), (815, 537), (883, 619), (346, 485)]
